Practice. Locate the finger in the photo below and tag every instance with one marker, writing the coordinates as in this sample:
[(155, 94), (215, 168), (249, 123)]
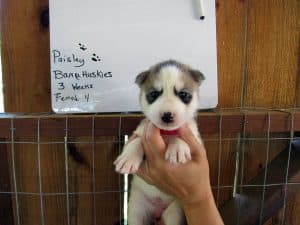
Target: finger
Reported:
[(153, 135), (152, 178), (197, 148), (143, 172), (154, 144), (150, 155)]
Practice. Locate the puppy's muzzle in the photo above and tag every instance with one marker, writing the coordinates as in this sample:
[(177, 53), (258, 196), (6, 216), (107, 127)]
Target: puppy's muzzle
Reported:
[(167, 117)]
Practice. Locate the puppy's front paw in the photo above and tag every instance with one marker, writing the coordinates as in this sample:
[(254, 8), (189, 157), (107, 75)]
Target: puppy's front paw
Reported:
[(130, 159), (178, 152), (127, 163)]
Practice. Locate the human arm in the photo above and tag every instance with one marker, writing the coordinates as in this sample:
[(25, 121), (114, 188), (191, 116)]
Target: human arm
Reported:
[(189, 182)]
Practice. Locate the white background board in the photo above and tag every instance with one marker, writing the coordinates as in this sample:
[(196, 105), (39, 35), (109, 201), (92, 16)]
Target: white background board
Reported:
[(99, 46)]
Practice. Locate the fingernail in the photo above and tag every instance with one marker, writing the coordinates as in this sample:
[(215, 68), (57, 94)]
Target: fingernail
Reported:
[(148, 130), (182, 129)]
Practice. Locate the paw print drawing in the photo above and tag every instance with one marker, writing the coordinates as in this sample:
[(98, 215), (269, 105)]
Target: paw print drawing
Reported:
[(96, 58), (82, 47)]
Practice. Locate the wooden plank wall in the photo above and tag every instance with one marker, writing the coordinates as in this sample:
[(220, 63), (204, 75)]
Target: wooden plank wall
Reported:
[(258, 66)]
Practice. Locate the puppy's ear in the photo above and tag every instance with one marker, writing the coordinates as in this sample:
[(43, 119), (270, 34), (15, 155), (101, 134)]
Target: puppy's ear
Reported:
[(141, 78), (197, 76)]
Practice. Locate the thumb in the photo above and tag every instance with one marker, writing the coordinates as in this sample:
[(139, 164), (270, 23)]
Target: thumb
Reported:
[(197, 148), (153, 143), (143, 172)]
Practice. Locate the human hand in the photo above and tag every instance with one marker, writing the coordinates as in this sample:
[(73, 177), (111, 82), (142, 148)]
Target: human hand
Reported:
[(189, 182)]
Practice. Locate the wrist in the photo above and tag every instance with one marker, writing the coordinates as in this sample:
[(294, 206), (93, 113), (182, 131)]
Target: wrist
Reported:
[(202, 201), (203, 211)]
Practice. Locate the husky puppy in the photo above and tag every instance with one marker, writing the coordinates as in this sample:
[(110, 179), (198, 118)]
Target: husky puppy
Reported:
[(169, 99)]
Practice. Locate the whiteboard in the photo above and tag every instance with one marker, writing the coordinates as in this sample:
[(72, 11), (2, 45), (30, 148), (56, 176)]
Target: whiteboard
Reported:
[(98, 47)]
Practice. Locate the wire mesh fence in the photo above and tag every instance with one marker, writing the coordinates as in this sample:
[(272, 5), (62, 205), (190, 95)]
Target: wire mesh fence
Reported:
[(57, 169)]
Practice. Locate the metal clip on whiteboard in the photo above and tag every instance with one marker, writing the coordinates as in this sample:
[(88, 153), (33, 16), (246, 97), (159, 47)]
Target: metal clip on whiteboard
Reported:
[(200, 9)]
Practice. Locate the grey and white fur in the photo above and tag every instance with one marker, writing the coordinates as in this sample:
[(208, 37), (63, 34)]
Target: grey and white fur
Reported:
[(169, 95)]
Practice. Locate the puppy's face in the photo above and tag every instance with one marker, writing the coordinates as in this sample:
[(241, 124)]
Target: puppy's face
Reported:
[(169, 94)]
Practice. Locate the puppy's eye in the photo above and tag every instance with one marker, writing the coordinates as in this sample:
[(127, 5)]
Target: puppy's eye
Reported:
[(152, 96), (184, 96)]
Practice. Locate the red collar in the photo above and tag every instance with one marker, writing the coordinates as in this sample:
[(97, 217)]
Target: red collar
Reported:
[(169, 132)]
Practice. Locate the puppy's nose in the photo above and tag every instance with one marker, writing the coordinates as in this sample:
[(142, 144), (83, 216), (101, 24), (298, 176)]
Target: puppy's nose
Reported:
[(167, 117)]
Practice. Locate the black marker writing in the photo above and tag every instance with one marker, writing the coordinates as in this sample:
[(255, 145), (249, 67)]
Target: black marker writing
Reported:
[(58, 57), (58, 74), (61, 86), (96, 74), (87, 97), (77, 86), (60, 97), (82, 47)]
